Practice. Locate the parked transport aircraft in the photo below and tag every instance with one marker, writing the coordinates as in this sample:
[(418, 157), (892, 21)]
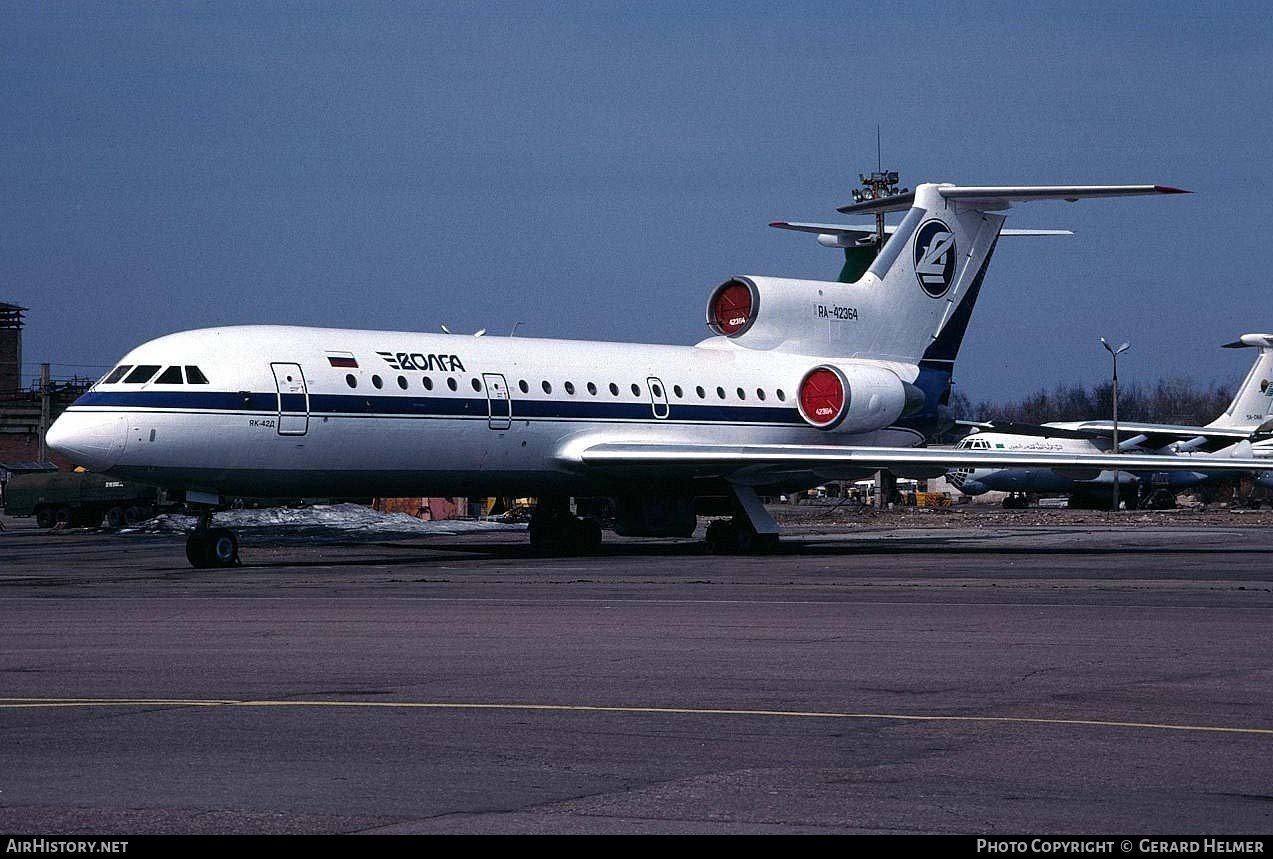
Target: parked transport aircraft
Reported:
[(801, 382), (1242, 423)]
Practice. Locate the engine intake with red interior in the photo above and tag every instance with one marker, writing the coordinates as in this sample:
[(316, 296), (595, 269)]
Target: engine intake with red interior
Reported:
[(854, 398)]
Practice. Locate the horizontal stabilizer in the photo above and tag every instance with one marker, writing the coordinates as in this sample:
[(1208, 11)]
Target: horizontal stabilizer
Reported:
[(1263, 341), (864, 230), (992, 197)]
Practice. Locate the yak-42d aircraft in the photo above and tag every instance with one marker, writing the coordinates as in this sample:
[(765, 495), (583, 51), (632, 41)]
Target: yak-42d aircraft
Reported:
[(801, 382), (1242, 429)]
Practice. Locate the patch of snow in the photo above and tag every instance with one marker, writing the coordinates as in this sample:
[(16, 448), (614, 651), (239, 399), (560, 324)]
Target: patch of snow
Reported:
[(331, 523)]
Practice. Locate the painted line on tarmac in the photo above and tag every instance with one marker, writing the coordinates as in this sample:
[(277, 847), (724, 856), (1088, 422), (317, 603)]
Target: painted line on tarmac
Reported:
[(50, 703)]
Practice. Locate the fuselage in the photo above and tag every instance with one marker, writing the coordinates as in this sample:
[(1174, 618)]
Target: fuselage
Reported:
[(292, 411), (977, 481)]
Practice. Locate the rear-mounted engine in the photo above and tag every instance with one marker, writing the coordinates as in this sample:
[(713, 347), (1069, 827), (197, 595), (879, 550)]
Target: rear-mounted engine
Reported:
[(855, 398), (732, 307)]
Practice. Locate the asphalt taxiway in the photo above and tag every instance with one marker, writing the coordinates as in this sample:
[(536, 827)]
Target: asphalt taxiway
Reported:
[(1076, 679)]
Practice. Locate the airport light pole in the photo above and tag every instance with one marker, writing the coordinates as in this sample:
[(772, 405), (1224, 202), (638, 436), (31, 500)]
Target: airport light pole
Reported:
[(1114, 352)]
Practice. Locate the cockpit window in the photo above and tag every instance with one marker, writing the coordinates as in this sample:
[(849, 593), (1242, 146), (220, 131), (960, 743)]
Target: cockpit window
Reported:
[(194, 376), (116, 374), (142, 373), (171, 376)]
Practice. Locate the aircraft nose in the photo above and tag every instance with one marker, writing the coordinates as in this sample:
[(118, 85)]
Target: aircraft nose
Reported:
[(95, 441)]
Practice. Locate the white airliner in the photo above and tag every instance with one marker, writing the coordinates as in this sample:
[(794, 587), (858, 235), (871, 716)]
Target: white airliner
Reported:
[(1242, 422), (802, 382)]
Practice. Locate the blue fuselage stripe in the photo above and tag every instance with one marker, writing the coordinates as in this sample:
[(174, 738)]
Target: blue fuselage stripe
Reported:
[(417, 406)]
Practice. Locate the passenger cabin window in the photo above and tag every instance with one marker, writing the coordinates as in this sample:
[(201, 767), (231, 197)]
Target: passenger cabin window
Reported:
[(116, 374), (782, 398), (720, 392), (378, 382), (350, 380), (451, 383), (701, 393), (428, 383), (171, 376), (477, 386), (676, 389), (402, 382), (614, 389), (592, 388), (760, 394), (523, 387), (636, 390), (194, 376), (141, 374), (570, 388)]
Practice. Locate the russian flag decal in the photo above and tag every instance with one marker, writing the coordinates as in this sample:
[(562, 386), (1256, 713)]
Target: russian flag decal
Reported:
[(342, 360)]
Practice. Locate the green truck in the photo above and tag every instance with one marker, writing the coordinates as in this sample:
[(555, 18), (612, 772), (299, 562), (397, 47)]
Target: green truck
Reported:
[(80, 498)]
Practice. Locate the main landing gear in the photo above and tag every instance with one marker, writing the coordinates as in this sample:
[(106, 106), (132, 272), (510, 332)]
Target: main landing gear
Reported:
[(752, 531), (211, 547), (737, 537), (554, 530)]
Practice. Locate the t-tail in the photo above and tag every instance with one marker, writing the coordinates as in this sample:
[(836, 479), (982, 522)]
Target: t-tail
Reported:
[(916, 297), (1252, 406)]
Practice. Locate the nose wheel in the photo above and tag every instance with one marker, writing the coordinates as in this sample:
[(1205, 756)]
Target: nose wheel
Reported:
[(211, 547)]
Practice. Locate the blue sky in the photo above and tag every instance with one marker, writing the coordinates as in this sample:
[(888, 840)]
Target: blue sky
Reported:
[(594, 169)]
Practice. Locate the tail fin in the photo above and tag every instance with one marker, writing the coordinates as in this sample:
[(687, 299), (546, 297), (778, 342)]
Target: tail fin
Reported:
[(913, 300), (932, 267), (1253, 403)]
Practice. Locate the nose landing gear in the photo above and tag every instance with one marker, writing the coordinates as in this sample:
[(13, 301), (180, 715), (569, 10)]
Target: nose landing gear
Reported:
[(211, 547)]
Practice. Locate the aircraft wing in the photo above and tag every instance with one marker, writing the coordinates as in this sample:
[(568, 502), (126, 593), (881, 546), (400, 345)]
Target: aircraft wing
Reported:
[(1157, 436), (750, 462), (1046, 430), (992, 197)]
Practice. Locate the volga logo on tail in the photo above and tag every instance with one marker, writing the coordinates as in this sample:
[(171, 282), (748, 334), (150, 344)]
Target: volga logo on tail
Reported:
[(935, 258)]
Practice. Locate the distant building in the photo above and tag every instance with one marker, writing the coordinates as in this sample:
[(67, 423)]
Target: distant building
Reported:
[(10, 347), (25, 409)]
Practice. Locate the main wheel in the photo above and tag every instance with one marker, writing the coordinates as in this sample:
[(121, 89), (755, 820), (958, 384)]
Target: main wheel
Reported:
[(721, 537), (64, 517), (44, 517), (586, 534), (199, 550), (223, 547), (115, 517)]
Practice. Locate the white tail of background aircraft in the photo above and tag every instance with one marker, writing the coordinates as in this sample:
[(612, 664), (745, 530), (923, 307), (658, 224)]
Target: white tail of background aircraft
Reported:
[(1253, 404)]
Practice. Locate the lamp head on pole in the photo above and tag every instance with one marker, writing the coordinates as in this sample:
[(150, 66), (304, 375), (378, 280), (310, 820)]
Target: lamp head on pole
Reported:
[(1115, 350)]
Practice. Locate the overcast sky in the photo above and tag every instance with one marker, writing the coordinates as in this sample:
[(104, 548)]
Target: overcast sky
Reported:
[(592, 170)]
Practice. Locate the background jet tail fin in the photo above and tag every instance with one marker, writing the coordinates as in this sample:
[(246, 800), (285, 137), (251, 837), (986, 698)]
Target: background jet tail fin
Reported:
[(1252, 405)]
